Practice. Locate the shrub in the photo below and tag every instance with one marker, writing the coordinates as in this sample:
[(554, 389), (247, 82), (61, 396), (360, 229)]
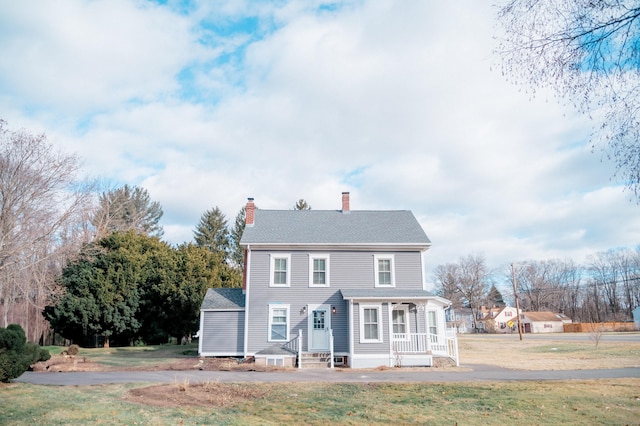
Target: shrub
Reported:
[(16, 354), (73, 350)]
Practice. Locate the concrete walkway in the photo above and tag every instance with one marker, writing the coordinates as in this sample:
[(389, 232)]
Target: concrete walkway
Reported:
[(468, 373)]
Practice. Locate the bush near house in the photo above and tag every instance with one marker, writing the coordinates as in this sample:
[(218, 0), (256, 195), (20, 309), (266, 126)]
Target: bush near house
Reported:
[(16, 354)]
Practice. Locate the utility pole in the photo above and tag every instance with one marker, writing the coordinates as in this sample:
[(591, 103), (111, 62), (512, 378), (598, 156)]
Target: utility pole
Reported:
[(515, 294)]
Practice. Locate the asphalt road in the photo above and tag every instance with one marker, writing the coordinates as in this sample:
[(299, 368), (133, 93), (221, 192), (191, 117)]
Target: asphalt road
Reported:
[(473, 373), (470, 373)]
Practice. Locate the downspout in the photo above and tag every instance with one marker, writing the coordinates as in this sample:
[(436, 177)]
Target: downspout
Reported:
[(247, 269)]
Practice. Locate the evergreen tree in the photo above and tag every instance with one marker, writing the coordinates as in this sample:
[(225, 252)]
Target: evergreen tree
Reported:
[(129, 287), (302, 205), (103, 289), (494, 297), (237, 251), (212, 233)]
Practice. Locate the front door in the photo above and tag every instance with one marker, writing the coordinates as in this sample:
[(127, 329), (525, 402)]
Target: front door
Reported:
[(319, 325)]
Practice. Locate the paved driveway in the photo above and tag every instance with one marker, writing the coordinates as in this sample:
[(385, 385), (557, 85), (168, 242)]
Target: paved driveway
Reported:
[(473, 373)]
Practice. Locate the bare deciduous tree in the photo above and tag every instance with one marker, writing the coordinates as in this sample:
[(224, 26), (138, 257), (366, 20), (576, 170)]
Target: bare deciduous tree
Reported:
[(587, 52), (39, 198), (127, 208), (543, 284), (464, 283)]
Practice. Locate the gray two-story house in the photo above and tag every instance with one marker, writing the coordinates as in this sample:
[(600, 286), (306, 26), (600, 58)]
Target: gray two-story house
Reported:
[(330, 286)]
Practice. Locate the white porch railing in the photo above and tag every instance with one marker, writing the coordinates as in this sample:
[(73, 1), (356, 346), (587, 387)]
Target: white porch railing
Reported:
[(420, 343), (452, 345), (295, 345)]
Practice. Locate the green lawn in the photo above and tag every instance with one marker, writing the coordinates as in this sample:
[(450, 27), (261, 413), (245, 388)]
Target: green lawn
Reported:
[(525, 403), (133, 356)]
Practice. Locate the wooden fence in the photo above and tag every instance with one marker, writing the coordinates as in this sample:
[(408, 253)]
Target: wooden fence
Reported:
[(587, 327)]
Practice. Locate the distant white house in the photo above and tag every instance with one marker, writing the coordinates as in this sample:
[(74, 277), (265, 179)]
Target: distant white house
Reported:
[(499, 319), (544, 322), (461, 319)]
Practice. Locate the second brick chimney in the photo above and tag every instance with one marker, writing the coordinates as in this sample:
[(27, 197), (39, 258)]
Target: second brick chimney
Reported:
[(249, 212), (345, 202)]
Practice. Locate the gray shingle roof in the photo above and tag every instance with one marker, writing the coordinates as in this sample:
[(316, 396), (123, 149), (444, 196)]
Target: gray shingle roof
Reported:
[(275, 350), (223, 298), (385, 293), (397, 227)]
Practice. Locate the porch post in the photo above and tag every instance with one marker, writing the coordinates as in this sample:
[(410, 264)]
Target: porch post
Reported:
[(422, 309), (299, 348), (390, 328)]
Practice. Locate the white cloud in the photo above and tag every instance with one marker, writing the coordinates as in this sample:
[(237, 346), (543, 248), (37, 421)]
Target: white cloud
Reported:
[(395, 102), (78, 57)]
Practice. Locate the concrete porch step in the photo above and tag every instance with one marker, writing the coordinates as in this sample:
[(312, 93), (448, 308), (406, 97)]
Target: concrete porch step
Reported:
[(316, 359)]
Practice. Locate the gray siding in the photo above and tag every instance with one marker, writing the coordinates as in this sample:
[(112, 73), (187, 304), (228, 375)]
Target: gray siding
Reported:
[(348, 270), (223, 332), (371, 348)]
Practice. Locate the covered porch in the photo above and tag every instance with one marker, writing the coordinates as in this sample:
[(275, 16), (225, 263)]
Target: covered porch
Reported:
[(396, 328), (410, 347)]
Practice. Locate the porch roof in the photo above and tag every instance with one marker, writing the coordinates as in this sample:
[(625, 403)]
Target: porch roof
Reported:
[(391, 294)]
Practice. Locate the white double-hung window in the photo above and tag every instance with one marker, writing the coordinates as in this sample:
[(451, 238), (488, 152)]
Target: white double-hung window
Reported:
[(384, 270), (433, 322), (399, 317), (370, 323), (278, 322), (280, 270), (319, 270)]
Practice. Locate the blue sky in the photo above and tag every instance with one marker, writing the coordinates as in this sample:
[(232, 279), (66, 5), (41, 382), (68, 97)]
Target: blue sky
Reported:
[(206, 103)]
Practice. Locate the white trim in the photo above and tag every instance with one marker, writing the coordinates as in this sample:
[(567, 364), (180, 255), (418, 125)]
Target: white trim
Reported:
[(272, 307), (247, 271), (351, 332), (369, 360), (338, 247), (221, 354), (326, 258), (272, 259), (376, 261), (407, 323), (327, 324), (426, 299), (200, 339), (437, 320), (361, 309)]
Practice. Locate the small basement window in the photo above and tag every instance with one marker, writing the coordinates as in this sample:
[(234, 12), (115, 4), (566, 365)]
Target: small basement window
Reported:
[(275, 361)]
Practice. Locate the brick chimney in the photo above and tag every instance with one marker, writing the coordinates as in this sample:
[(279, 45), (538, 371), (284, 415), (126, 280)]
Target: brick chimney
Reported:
[(345, 203), (250, 212)]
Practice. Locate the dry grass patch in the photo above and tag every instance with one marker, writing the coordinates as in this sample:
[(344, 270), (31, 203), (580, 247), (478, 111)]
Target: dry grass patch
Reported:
[(547, 354), (185, 394)]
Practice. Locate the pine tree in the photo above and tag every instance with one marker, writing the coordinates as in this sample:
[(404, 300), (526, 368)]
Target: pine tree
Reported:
[(212, 232), (302, 205), (494, 297), (237, 252)]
